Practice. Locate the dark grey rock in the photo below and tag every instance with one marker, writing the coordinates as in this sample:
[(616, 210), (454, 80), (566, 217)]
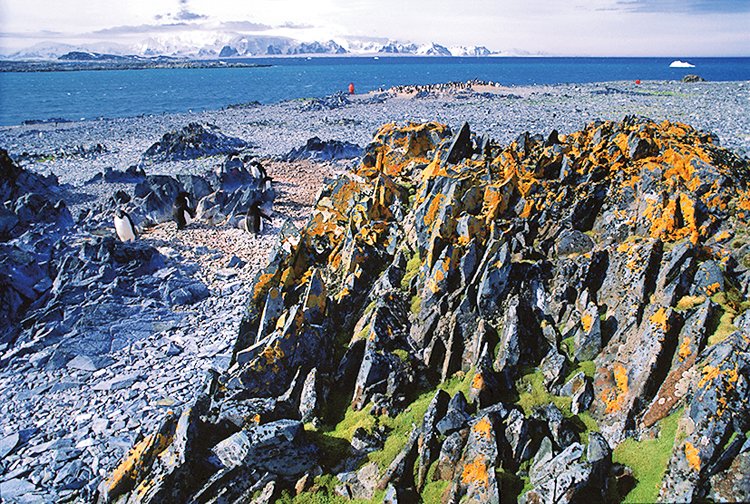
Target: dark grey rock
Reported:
[(192, 142), (572, 241), (317, 150)]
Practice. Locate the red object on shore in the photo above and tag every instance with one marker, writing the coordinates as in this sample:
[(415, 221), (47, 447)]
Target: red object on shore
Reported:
[(351, 88), (638, 81)]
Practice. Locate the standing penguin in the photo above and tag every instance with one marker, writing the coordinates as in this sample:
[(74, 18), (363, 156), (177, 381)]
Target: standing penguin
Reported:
[(124, 226), (257, 170), (253, 221), (181, 211), (266, 184)]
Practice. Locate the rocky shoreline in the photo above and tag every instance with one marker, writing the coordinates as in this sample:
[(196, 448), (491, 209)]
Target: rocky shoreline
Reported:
[(107, 405), (124, 64)]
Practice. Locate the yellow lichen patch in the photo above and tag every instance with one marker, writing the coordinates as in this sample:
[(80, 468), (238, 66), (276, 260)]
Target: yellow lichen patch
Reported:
[(475, 472), (723, 236), (692, 456), (272, 353), (684, 351), (713, 289), (724, 380), (477, 383), (124, 477), (586, 322), (432, 210), (743, 203), (527, 208), (660, 319), (483, 428), (262, 285), (624, 247), (614, 398)]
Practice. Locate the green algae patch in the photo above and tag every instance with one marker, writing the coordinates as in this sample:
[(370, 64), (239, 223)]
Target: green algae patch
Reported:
[(727, 312), (689, 302), (402, 425), (648, 459), (416, 304), (412, 269), (587, 367), (434, 490), (402, 354), (532, 394), (587, 425), (363, 333), (568, 346), (323, 491)]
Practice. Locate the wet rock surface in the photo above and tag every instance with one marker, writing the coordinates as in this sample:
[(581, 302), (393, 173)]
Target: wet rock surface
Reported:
[(553, 285)]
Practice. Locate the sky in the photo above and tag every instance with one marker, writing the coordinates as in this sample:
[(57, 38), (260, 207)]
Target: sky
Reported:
[(553, 27)]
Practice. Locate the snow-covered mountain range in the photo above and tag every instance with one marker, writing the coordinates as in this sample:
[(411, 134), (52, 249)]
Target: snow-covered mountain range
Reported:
[(238, 45)]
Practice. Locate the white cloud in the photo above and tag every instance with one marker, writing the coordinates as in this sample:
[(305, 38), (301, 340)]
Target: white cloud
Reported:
[(595, 27)]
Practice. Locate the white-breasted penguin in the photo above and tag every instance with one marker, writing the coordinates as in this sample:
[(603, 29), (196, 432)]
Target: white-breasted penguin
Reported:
[(253, 221), (266, 185), (257, 170), (124, 226), (182, 212)]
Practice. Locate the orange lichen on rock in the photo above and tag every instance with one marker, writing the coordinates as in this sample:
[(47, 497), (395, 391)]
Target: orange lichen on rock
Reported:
[(586, 322), (684, 351), (743, 204), (475, 472), (124, 477), (262, 285), (477, 383), (713, 289), (724, 380), (692, 456), (272, 353), (483, 428), (432, 210), (614, 397), (660, 319)]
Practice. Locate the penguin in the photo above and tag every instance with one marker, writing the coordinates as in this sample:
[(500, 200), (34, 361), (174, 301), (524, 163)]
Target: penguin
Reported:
[(253, 221), (266, 184), (257, 170), (124, 226), (181, 211)]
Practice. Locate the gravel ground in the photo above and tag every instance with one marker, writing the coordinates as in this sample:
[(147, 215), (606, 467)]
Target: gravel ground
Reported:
[(96, 427)]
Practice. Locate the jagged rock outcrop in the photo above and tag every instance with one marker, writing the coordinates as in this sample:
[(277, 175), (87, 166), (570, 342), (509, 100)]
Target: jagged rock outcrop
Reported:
[(192, 142), (32, 212), (317, 150), (571, 298)]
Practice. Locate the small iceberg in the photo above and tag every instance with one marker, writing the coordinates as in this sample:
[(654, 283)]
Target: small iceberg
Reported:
[(681, 64)]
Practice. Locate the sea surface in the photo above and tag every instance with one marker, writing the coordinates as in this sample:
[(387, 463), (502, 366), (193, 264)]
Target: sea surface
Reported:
[(79, 95)]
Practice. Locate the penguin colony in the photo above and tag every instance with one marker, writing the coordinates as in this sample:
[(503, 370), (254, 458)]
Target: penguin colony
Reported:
[(183, 213)]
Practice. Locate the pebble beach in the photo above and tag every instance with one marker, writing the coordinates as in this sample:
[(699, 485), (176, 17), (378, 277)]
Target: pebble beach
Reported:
[(79, 420)]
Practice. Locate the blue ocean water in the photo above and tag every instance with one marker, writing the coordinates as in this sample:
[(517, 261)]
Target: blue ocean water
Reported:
[(118, 93)]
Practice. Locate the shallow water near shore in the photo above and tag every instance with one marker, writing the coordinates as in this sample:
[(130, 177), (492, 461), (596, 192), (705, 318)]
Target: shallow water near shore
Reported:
[(80, 95)]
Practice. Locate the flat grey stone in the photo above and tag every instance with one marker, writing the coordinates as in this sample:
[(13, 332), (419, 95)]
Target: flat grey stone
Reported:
[(8, 444), (118, 382), (86, 363), (16, 488)]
